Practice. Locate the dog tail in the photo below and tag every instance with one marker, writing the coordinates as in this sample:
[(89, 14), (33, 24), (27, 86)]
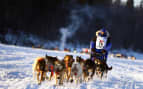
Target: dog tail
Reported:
[(34, 68), (46, 56), (110, 68)]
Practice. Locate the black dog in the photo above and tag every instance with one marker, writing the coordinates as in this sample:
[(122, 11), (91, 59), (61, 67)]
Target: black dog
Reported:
[(88, 69), (59, 69), (101, 68)]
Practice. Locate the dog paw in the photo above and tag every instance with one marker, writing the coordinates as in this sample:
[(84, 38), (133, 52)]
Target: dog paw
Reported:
[(80, 81), (67, 80), (71, 80), (39, 83), (60, 83)]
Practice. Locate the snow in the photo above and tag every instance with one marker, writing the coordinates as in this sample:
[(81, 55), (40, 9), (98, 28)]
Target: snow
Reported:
[(16, 71)]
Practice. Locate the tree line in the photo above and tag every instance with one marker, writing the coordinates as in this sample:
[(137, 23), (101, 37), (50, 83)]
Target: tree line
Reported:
[(45, 18)]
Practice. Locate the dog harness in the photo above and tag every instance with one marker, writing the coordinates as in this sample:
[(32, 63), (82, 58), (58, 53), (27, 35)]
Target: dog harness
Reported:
[(52, 70)]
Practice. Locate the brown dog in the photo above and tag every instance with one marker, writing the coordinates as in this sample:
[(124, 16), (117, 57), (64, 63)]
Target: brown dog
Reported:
[(42, 65), (39, 67), (68, 60)]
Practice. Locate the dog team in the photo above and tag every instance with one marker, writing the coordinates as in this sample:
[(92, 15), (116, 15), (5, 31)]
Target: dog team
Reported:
[(76, 70)]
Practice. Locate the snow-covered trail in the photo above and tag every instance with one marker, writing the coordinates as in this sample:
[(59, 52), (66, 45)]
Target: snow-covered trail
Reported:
[(16, 71)]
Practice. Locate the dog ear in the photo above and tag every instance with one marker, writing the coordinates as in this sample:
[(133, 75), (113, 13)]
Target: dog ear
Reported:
[(46, 56)]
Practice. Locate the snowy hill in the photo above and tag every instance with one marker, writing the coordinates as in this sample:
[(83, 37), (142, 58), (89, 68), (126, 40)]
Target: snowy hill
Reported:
[(16, 71)]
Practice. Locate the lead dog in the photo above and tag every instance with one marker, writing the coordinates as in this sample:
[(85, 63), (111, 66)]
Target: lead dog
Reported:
[(50, 65), (39, 68), (42, 65)]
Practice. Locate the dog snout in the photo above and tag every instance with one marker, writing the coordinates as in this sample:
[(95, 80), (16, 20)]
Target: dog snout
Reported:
[(58, 77)]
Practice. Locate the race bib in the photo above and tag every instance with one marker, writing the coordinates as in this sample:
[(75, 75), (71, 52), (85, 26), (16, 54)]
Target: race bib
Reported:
[(101, 42)]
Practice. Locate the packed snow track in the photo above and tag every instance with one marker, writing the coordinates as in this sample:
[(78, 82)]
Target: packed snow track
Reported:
[(16, 71)]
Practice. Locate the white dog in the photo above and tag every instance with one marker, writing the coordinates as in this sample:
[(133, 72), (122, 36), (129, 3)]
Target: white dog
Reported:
[(76, 72)]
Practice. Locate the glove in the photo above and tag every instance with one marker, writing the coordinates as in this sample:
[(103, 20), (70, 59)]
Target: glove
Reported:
[(104, 51)]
